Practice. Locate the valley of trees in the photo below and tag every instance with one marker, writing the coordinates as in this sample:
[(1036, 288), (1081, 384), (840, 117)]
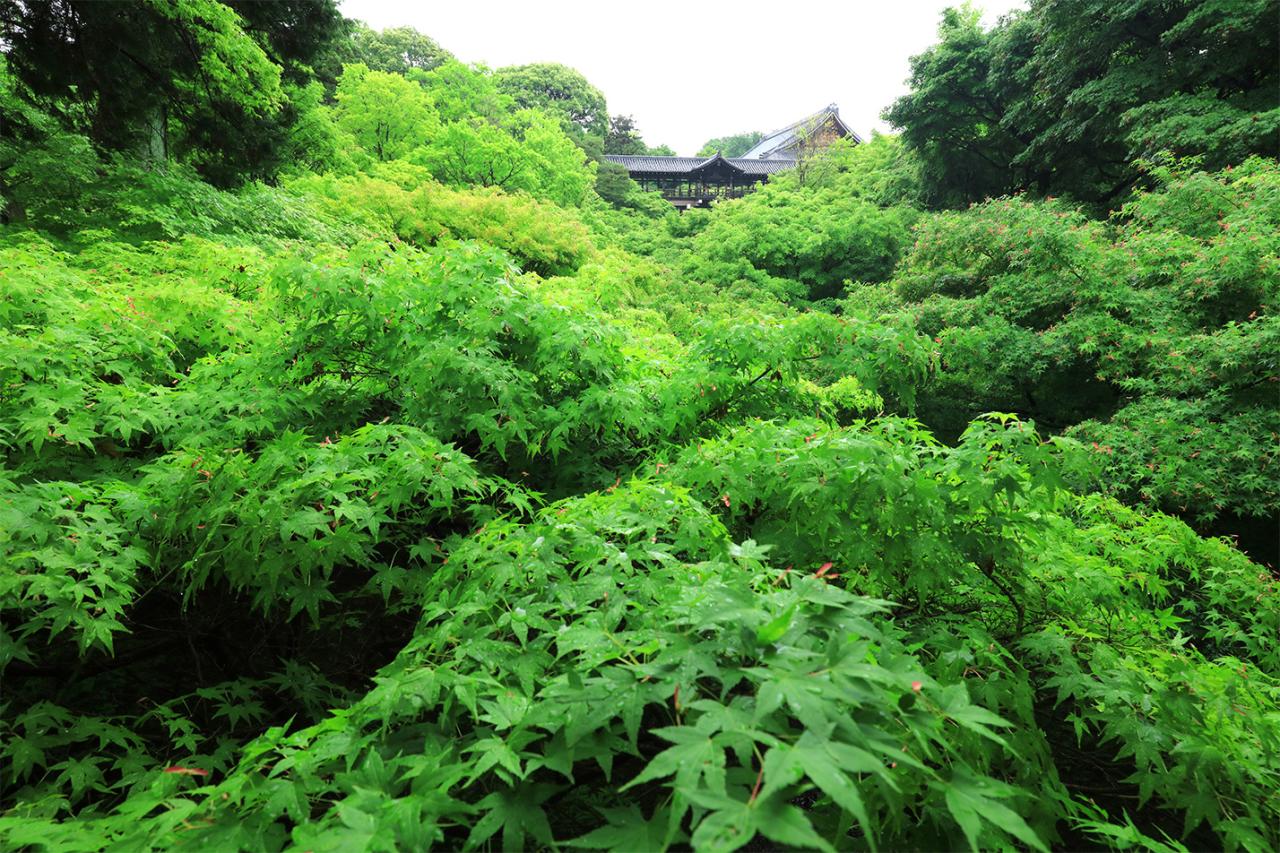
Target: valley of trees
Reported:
[(381, 470)]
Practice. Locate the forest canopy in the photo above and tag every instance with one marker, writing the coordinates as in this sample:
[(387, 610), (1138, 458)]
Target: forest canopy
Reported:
[(380, 469), (1067, 98)]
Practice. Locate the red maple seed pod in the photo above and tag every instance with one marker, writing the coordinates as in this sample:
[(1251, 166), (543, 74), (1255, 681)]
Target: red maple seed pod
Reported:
[(186, 771)]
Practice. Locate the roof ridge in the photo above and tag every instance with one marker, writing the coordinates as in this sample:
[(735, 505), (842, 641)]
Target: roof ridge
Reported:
[(779, 138), (828, 109)]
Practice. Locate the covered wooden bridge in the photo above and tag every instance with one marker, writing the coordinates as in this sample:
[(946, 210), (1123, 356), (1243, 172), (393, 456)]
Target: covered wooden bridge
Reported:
[(697, 181)]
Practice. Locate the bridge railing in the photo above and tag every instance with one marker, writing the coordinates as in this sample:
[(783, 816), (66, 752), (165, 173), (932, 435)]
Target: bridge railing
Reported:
[(705, 192)]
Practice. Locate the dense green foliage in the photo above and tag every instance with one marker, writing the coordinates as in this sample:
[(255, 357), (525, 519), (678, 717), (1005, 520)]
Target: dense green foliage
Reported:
[(443, 490), (810, 232), (623, 137), (734, 145), (560, 91), (206, 79), (1154, 335), (1062, 98), (395, 50)]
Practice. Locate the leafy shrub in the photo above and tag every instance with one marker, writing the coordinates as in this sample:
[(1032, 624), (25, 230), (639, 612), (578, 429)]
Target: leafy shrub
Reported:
[(527, 153), (578, 663), (402, 200), (384, 114), (138, 203), (799, 242), (392, 509), (93, 344), (1150, 636), (1153, 336), (880, 170)]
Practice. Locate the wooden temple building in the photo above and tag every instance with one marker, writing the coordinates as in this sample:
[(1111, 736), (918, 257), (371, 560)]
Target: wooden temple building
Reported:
[(697, 181)]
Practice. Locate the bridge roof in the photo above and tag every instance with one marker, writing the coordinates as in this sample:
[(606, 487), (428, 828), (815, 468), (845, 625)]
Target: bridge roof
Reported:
[(644, 164)]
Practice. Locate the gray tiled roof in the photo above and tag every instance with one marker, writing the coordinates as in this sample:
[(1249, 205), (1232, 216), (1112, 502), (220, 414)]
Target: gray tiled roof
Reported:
[(642, 163), (775, 143), (649, 163), (762, 167)]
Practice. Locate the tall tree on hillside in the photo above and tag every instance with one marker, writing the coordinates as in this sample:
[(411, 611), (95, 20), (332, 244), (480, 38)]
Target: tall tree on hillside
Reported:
[(623, 137), (193, 76), (395, 50), (956, 116), (529, 152), (560, 91), (387, 115), (1063, 97), (461, 91), (1196, 77), (294, 33), (734, 145)]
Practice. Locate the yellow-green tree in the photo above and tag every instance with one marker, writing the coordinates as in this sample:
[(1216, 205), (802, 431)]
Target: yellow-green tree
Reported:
[(385, 114)]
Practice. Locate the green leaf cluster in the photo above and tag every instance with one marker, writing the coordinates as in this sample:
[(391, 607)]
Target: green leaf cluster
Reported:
[(1152, 337), (418, 495)]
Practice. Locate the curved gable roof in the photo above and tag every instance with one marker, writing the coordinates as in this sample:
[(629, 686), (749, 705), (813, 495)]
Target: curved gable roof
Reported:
[(775, 143), (714, 160)]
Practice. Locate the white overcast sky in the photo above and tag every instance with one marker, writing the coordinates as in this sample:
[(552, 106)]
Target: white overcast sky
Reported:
[(690, 71)]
